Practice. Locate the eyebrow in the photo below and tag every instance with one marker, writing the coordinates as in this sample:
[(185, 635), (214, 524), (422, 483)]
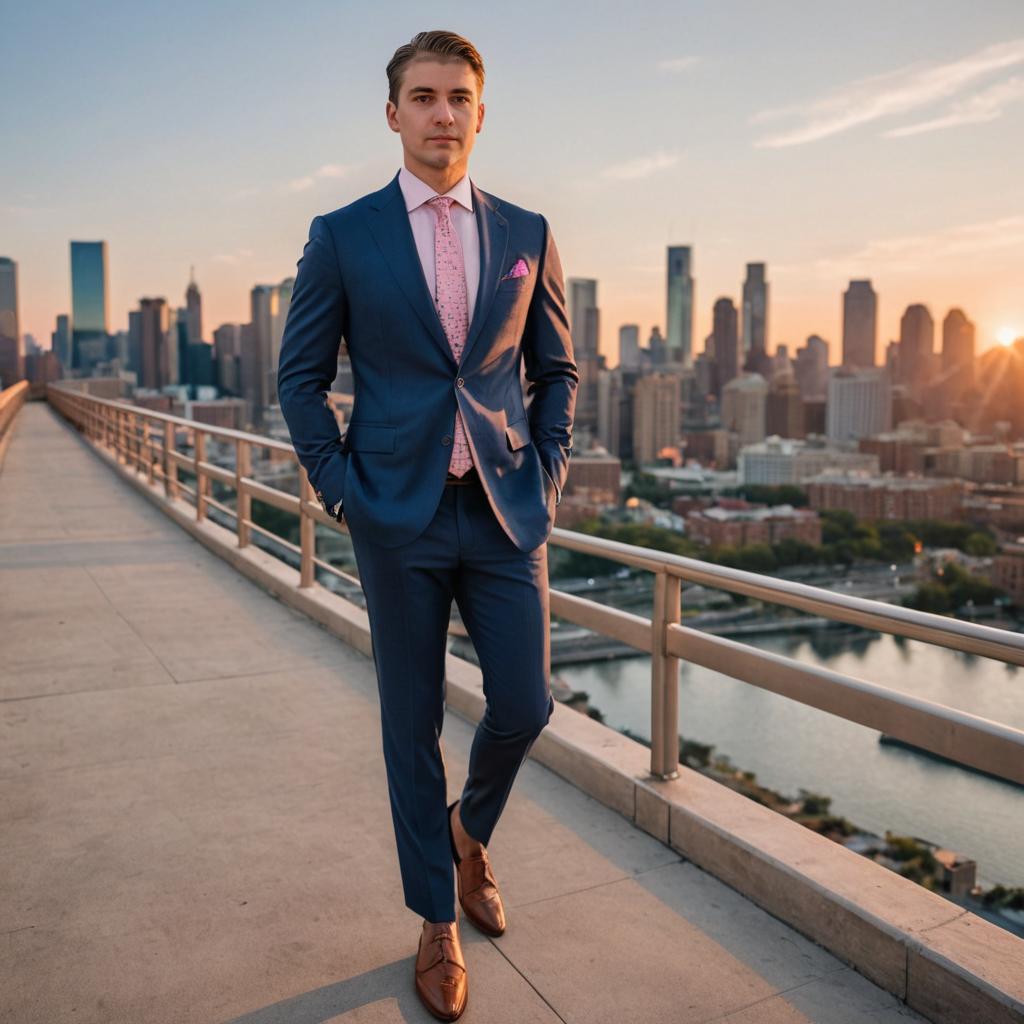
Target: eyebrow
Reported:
[(460, 91)]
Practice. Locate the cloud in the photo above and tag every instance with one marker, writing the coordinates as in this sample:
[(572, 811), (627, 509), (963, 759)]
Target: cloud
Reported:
[(24, 210), (233, 258), (986, 105), (908, 253), (641, 167), (675, 65), (309, 180), (885, 95)]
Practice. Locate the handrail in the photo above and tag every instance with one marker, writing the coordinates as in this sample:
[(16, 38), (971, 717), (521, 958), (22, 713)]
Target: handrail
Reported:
[(988, 746), (968, 637), (11, 400)]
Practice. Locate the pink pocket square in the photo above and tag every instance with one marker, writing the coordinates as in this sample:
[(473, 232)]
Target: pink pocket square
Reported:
[(519, 269)]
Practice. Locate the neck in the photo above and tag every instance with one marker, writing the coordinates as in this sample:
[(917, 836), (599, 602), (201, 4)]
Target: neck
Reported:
[(440, 179)]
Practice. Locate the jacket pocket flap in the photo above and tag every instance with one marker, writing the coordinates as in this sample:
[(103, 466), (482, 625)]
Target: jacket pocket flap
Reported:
[(370, 437), (518, 433)]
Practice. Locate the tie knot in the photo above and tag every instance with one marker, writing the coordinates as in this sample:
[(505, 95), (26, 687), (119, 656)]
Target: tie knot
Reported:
[(441, 204)]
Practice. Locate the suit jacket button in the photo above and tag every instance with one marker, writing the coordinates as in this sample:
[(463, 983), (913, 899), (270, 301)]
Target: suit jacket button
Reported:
[(446, 440), (459, 382)]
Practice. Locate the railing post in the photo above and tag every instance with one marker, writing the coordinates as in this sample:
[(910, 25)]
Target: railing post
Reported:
[(121, 442), (137, 442), (243, 499), (170, 463), (147, 430), (202, 481), (307, 532), (664, 680), (131, 450)]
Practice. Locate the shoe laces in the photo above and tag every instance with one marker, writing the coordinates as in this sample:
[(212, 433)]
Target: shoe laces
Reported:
[(440, 937)]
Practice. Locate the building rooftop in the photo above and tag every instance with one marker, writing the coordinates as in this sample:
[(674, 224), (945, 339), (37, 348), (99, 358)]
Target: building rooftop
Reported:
[(196, 825), (760, 512)]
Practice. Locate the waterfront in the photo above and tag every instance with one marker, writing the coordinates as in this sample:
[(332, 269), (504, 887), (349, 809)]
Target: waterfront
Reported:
[(791, 746)]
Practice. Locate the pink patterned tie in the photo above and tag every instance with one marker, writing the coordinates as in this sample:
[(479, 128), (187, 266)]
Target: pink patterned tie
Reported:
[(452, 300)]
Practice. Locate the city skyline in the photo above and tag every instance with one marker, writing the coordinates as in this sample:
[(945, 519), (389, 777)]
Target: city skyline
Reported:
[(885, 161)]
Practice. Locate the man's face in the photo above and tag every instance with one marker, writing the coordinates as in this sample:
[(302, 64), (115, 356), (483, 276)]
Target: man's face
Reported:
[(439, 112)]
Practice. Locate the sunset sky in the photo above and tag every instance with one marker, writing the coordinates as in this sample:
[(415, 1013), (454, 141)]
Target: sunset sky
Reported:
[(881, 140)]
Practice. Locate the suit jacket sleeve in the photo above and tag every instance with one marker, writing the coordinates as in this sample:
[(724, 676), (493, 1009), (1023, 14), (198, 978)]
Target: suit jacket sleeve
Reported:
[(550, 366), (309, 363)]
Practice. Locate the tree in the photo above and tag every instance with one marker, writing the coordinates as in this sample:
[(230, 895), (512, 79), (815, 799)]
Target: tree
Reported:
[(981, 545)]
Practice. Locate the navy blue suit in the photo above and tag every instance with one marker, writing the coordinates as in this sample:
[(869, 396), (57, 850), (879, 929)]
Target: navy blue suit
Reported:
[(420, 542)]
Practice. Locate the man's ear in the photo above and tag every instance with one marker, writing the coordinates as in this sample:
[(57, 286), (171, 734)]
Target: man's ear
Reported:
[(390, 113), (480, 118)]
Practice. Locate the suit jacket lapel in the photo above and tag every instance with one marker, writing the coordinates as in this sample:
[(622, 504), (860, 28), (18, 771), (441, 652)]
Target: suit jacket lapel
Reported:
[(493, 230), (389, 224)]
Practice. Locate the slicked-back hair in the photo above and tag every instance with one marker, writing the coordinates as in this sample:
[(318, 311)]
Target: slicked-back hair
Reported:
[(444, 45)]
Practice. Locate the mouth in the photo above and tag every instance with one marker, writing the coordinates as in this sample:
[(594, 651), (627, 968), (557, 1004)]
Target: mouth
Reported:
[(443, 138)]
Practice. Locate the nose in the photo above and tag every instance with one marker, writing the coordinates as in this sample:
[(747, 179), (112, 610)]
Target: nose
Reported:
[(443, 113)]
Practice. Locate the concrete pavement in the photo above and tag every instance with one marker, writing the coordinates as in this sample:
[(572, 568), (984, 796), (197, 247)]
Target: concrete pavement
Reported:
[(194, 822)]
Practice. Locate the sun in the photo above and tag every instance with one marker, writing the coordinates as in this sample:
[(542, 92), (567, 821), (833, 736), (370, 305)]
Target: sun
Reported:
[(1007, 335)]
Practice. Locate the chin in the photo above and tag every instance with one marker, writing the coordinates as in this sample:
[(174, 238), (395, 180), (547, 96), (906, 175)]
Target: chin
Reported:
[(439, 160)]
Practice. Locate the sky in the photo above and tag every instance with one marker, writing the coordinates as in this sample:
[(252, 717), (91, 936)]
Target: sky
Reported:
[(829, 141)]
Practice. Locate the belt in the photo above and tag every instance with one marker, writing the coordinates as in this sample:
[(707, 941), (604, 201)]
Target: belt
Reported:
[(469, 477)]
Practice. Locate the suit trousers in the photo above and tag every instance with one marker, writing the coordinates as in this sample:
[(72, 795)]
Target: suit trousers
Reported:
[(502, 596)]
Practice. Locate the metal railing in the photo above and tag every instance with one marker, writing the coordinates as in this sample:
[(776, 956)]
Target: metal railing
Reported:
[(11, 400), (147, 442)]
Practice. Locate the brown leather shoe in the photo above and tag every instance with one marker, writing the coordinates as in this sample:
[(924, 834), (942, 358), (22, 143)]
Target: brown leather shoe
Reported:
[(478, 888), (441, 981)]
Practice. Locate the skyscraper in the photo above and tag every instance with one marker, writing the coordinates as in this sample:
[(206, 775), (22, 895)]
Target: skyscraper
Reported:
[(250, 374), (860, 325), (958, 346), (679, 312), (89, 304), (785, 408), (755, 319), (811, 367), (914, 364), (726, 342), (60, 340), (154, 321), (655, 415), (135, 343), (656, 347), (227, 343), (12, 363), (585, 325), (859, 404), (264, 299), (284, 300), (745, 407), (193, 311), (629, 346)]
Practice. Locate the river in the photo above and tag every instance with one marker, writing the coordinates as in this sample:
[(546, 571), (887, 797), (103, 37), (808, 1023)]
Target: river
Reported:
[(790, 745)]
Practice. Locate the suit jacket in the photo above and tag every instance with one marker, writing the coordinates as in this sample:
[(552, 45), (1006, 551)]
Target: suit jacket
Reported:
[(360, 278)]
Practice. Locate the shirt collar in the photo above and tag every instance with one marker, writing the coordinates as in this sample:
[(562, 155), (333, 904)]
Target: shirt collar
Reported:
[(416, 192)]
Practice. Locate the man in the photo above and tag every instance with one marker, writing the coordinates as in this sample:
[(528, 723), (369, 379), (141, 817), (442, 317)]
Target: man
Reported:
[(447, 477)]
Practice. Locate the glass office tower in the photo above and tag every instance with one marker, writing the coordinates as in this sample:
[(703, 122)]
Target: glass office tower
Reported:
[(89, 305)]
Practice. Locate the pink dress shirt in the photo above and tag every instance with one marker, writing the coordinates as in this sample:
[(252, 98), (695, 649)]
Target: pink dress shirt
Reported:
[(423, 220)]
